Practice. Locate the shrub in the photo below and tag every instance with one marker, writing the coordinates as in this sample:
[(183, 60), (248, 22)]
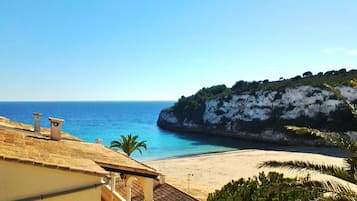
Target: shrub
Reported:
[(307, 74), (270, 187), (193, 107)]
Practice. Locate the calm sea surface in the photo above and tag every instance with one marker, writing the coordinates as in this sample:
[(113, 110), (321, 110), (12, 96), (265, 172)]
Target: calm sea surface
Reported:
[(107, 120)]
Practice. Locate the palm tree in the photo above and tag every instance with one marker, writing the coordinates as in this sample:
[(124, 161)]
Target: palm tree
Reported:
[(129, 144), (337, 192)]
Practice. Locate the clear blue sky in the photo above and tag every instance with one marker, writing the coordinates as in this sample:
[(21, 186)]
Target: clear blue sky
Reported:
[(160, 50)]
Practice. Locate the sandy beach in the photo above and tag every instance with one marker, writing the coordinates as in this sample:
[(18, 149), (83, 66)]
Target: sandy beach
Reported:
[(202, 174)]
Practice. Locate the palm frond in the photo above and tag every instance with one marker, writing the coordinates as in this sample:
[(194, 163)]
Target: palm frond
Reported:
[(115, 144), (352, 166), (336, 197), (302, 165), (333, 191), (339, 192), (134, 138), (342, 141), (140, 145), (125, 139), (349, 105), (129, 144)]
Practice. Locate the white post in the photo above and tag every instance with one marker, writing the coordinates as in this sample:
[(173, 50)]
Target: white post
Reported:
[(128, 184), (162, 179), (128, 193), (148, 187), (188, 181), (112, 185)]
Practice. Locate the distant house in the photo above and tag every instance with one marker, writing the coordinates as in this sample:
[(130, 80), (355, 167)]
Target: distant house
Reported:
[(48, 164)]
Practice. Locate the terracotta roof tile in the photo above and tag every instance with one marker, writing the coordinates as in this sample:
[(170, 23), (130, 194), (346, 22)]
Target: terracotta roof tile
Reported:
[(162, 192)]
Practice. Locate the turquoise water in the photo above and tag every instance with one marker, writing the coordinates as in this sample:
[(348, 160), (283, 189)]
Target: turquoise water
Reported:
[(107, 120)]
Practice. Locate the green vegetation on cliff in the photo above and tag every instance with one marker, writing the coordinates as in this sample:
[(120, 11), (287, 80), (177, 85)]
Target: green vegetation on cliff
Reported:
[(334, 78), (192, 108)]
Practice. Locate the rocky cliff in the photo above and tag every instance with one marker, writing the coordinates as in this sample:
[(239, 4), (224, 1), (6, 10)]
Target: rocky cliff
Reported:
[(261, 114)]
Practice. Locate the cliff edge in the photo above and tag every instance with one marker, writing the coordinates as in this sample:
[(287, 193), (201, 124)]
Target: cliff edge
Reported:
[(260, 110)]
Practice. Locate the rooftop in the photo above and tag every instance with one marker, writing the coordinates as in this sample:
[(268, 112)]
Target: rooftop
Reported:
[(45, 132), (19, 143), (162, 192)]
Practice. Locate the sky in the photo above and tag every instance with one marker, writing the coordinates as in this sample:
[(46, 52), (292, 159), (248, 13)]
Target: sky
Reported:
[(148, 50)]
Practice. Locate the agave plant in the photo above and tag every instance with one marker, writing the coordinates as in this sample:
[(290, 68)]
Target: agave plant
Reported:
[(336, 191), (129, 144)]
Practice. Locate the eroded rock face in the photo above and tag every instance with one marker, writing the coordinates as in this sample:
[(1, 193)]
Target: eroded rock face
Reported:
[(261, 115), (293, 103)]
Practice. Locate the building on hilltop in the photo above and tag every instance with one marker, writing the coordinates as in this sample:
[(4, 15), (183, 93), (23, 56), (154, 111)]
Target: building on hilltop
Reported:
[(47, 164)]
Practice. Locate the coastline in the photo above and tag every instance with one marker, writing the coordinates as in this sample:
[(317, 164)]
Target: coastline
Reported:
[(323, 150), (201, 174)]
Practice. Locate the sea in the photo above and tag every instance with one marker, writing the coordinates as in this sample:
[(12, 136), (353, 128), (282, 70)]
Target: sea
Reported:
[(108, 120)]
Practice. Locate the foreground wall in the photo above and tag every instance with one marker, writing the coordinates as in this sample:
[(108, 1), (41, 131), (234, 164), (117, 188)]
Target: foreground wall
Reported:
[(19, 181)]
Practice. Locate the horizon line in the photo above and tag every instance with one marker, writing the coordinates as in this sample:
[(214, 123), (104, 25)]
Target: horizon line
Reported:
[(3, 101)]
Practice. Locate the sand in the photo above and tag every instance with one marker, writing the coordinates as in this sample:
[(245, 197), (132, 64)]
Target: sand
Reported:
[(202, 174)]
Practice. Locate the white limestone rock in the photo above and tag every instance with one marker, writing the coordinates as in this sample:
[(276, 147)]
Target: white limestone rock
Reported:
[(294, 103), (169, 117)]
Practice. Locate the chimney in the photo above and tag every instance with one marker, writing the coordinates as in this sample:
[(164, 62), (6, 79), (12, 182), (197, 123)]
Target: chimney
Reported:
[(37, 122), (56, 125)]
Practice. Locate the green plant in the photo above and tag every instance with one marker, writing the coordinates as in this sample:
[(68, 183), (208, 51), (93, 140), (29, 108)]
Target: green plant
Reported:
[(274, 187), (270, 187), (344, 141), (129, 144)]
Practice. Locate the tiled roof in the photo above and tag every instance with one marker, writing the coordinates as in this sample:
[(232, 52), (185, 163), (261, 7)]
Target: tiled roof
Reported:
[(162, 192), (18, 143), (29, 128)]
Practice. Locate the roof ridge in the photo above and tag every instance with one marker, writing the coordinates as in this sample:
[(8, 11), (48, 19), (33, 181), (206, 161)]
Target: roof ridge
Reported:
[(125, 155)]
